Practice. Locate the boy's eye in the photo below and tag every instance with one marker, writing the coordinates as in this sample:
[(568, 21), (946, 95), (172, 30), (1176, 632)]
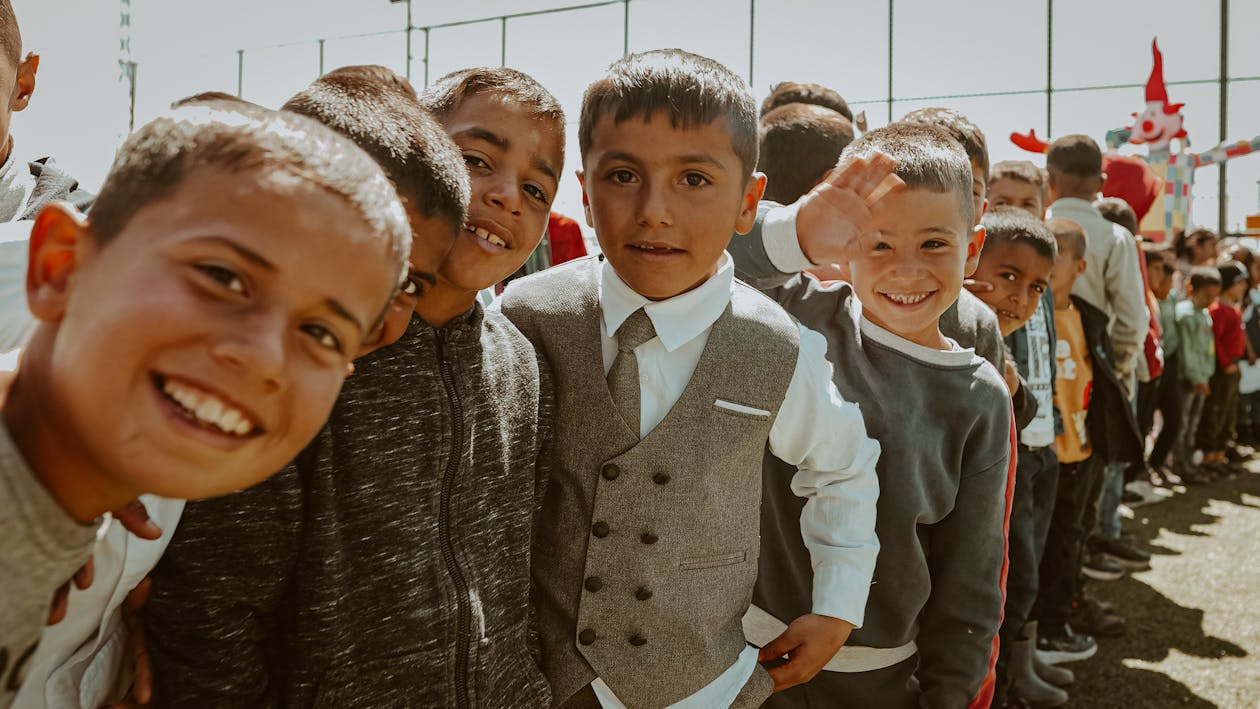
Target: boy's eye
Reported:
[(475, 162), (225, 276), (412, 287), (323, 336), (623, 177), (536, 192), (881, 246), (1039, 289), (695, 179), (934, 244)]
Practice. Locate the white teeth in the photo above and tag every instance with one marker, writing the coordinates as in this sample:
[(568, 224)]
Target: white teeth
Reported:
[(484, 234), (906, 298), (207, 408)]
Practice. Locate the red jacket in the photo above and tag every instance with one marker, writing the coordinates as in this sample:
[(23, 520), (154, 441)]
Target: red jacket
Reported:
[(1227, 328)]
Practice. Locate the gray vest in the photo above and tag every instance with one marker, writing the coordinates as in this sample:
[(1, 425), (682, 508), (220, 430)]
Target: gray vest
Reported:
[(645, 552)]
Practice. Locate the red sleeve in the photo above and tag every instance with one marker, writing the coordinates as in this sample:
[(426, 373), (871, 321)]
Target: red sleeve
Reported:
[(984, 698), (566, 239)]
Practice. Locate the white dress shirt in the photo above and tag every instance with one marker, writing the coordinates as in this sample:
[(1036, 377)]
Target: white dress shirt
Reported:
[(816, 430)]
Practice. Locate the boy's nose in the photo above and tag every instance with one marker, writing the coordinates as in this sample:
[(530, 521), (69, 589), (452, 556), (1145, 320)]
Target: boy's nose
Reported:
[(257, 348), (505, 196), (654, 208)]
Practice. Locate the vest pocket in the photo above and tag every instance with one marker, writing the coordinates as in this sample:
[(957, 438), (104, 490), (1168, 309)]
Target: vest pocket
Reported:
[(712, 562)]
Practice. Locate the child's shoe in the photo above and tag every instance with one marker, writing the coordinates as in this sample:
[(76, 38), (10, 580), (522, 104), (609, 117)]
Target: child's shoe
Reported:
[(1065, 646), (1100, 567), (1124, 551), (1090, 618), (1058, 676)]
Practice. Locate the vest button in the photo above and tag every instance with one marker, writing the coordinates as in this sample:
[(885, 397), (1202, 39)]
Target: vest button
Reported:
[(649, 538), (611, 472), (587, 637), (600, 529), (638, 640), (594, 583), (643, 594), (661, 478)]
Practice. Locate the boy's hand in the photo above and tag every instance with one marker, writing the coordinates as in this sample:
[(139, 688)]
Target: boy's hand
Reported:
[(135, 519), (1011, 375), (975, 286), (142, 669), (1203, 389), (809, 643), (1232, 369), (837, 212)]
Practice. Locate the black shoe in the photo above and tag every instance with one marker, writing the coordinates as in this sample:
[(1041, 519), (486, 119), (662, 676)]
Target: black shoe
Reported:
[(1100, 567), (1125, 552), (1065, 646), (1088, 617)]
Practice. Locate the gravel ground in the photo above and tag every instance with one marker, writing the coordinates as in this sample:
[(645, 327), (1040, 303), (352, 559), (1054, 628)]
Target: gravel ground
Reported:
[(1193, 634)]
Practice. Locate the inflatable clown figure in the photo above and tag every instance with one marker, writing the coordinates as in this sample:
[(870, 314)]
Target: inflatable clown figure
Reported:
[(1163, 175)]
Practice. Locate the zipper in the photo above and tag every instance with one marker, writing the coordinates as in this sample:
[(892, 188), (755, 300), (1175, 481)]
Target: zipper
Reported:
[(462, 601)]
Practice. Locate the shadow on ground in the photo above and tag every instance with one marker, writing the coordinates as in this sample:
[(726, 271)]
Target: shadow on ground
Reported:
[(1156, 625)]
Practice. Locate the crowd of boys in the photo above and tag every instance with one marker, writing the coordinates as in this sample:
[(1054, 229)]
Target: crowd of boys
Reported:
[(829, 421)]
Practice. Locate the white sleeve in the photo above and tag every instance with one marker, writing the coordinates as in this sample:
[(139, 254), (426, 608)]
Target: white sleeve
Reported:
[(778, 235), (825, 437)]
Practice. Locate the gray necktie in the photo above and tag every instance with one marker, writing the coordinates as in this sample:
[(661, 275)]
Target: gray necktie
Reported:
[(623, 377)]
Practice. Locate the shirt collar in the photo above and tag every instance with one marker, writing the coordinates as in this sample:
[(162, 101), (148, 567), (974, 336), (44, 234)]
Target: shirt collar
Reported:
[(955, 356), (677, 320)]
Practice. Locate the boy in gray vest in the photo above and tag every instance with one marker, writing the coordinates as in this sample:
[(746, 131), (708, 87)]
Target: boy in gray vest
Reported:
[(671, 380), (942, 416)]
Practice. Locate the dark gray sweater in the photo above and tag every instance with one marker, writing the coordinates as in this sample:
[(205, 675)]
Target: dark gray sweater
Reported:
[(388, 566)]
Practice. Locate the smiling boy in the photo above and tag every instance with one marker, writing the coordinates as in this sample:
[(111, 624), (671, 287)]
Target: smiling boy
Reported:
[(434, 452), (942, 417), (672, 378), (215, 246)]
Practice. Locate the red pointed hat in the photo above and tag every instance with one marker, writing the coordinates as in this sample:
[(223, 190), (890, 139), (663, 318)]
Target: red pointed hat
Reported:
[(1155, 88)]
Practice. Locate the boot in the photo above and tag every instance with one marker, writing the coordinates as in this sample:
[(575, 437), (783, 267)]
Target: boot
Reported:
[(1054, 674), (1025, 682)]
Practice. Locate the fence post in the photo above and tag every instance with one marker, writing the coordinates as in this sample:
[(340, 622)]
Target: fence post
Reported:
[(240, 73), (407, 68), (1222, 201), (625, 28), (321, 57), (752, 33), (426, 57), (890, 61)]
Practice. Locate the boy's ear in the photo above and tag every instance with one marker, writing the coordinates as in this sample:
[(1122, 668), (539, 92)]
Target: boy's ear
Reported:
[(25, 87), (586, 202), (59, 241), (1080, 266), (748, 208), (973, 251)]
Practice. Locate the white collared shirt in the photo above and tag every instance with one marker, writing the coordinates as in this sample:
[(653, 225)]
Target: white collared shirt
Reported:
[(816, 430)]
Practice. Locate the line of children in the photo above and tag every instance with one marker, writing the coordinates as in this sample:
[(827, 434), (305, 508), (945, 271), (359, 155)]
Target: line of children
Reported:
[(632, 481)]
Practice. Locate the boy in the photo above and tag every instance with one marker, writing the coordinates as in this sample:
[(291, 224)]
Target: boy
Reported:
[(1099, 428), (1220, 411), (934, 608), (1198, 363), (789, 92), (433, 454), (217, 245), (1018, 257), (1019, 184), (1166, 396), (671, 380), (25, 187), (969, 322), (799, 145)]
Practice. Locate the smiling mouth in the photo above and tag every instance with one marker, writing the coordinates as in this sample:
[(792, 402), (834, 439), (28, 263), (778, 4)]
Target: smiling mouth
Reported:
[(1008, 315), (204, 409), (486, 235), (908, 299), (655, 249)]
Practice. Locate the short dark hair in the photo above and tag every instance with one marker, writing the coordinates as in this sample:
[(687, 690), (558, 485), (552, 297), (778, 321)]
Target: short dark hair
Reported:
[(1069, 235), (1020, 171), (1183, 240), (10, 34), (449, 92), (962, 130), (375, 72), (1154, 251), (1204, 276), (240, 139), (799, 144), (788, 92), (398, 133), (692, 90), (1231, 273), (1075, 155), (209, 97), (927, 158), (1118, 211), (1009, 225)]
